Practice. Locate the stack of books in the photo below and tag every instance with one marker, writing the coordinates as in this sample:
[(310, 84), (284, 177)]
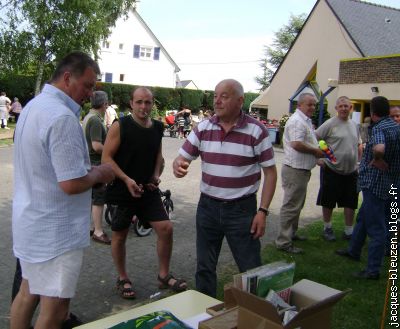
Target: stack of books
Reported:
[(277, 276)]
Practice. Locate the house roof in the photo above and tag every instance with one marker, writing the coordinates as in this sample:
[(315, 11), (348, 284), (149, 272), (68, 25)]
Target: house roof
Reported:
[(366, 23), (373, 28), (147, 28), (185, 83)]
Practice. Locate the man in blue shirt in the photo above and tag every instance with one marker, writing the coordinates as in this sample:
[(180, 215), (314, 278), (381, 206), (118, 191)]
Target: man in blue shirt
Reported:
[(378, 177)]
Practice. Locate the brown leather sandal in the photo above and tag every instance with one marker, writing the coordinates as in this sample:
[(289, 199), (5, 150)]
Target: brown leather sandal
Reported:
[(125, 292), (178, 286)]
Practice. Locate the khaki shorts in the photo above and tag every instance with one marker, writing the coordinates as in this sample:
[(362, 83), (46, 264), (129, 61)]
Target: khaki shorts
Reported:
[(56, 277)]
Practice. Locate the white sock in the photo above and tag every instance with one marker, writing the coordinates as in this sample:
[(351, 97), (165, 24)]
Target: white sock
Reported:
[(327, 225), (348, 230)]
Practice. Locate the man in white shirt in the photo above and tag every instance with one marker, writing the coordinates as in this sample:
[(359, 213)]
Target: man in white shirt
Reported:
[(5, 104), (52, 191), (110, 116), (301, 154)]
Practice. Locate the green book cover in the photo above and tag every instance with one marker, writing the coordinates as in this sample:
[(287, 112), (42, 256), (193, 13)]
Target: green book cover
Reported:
[(159, 319), (278, 279)]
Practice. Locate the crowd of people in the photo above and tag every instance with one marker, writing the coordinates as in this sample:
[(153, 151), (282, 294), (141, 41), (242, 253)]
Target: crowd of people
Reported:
[(65, 173)]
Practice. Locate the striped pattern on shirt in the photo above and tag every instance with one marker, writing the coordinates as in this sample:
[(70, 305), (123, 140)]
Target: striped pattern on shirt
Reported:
[(232, 162), (379, 182)]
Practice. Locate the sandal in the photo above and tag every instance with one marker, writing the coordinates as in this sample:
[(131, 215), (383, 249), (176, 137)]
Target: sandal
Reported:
[(104, 239), (178, 286), (125, 292)]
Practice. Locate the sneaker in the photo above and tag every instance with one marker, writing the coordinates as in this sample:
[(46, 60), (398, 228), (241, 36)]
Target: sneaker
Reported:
[(345, 253), (6, 128), (299, 238), (366, 275), (292, 250), (346, 236), (328, 234)]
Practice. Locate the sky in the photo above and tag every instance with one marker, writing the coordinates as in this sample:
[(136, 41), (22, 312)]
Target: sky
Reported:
[(211, 40)]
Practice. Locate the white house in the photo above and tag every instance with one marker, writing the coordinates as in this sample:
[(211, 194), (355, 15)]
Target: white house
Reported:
[(132, 54)]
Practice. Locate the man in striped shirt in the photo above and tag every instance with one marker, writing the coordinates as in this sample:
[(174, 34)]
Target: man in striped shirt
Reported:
[(234, 149)]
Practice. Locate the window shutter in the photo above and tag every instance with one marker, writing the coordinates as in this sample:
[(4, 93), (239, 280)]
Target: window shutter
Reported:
[(156, 53), (136, 51), (108, 77)]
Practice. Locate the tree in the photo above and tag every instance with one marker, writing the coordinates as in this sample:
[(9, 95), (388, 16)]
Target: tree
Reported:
[(36, 33), (281, 43)]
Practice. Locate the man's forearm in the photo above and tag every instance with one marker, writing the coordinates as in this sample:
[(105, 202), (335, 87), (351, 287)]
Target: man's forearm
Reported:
[(378, 151), (269, 185), (304, 148)]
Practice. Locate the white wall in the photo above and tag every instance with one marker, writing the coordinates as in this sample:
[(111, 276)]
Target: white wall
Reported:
[(147, 72)]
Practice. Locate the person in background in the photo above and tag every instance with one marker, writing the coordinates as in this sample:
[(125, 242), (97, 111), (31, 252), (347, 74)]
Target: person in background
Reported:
[(395, 113), (5, 104), (95, 134), (110, 116), (16, 109), (52, 187), (133, 147), (379, 177), (301, 153), (231, 176), (339, 179)]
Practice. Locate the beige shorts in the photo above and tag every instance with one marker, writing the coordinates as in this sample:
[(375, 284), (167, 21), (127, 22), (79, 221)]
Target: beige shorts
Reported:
[(56, 277)]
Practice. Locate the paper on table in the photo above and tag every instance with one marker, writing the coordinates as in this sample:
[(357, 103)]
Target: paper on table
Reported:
[(194, 320)]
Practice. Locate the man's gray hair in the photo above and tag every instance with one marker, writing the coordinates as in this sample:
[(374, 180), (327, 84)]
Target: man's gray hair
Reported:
[(303, 96), (98, 99)]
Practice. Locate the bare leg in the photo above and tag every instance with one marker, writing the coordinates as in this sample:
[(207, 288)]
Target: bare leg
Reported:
[(327, 214), (97, 216), (118, 251), (53, 312), (23, 307), (164, 233), (348, 216)]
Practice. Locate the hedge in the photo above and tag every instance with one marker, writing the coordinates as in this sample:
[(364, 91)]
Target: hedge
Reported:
[(165, 98)]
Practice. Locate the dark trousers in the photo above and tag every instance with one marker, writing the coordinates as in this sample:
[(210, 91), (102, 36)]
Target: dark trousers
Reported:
[(370, 222), (215, 220)]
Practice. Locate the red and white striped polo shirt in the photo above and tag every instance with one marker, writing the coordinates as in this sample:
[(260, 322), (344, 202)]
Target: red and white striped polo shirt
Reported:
[(232, 162)]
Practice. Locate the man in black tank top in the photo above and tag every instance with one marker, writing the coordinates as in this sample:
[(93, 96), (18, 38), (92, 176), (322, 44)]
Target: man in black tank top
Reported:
[(133, 148)]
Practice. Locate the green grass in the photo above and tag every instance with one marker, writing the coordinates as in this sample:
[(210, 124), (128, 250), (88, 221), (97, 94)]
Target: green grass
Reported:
[(3, 132), (362, 307)]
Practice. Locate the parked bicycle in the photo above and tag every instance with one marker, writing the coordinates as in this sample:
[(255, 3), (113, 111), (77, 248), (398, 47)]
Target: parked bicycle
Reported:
[(142, 229)]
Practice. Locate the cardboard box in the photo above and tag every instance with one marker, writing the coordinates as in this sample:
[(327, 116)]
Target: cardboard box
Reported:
[(314, 302)]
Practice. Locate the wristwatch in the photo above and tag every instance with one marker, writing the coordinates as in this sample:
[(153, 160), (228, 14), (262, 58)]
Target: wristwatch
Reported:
[(263, 210)]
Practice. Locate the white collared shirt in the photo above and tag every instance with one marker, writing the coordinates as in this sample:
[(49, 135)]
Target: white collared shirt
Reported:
[(49, 148), (299, 128)]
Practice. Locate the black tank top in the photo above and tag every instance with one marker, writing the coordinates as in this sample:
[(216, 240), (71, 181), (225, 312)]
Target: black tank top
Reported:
[(136, 156)]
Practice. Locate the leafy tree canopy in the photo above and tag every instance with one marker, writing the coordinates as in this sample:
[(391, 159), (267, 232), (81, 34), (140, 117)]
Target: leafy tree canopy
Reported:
[(274, 54), (36, 33)]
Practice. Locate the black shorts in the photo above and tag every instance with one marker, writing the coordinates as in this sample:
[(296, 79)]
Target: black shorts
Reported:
[(337, 189), (99, 196), (148, 208)]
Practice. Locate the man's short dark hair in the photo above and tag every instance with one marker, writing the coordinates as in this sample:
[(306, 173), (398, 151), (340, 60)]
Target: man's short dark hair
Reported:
[(75, 62), (380, 106)]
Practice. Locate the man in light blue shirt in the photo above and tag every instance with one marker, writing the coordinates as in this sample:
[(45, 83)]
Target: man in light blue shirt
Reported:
[(52, 185)]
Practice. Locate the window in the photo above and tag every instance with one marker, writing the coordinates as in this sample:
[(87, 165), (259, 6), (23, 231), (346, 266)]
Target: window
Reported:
[(108, 77), (146, 52), (106, 44), (121, 77), (121, 46)]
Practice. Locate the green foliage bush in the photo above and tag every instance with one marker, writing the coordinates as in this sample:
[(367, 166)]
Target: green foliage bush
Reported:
[(165, 98)]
